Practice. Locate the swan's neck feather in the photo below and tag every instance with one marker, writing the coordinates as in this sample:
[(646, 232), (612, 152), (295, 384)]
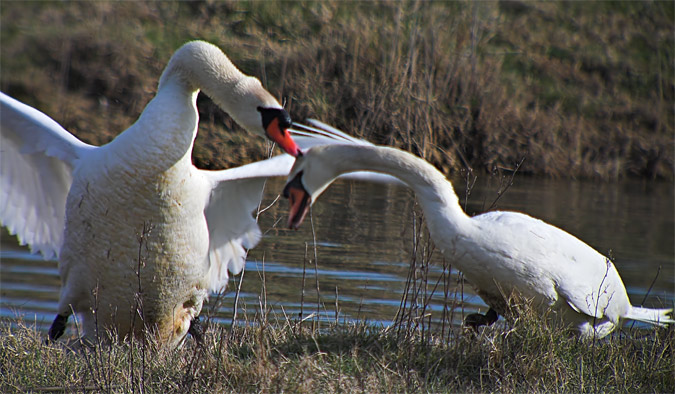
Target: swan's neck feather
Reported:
[(434, 192), (199, 65), (162, 136), (417, 173)]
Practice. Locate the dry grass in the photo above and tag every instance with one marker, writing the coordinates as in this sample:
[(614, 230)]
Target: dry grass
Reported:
[(289, 357), (580, 90), (423, 351)]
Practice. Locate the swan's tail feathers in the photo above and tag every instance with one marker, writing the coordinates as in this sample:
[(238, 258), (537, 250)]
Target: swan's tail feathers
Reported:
[(659, 317)]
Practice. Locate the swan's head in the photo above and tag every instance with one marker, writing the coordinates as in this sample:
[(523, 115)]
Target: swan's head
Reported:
[(311, 174), (275, 122), (200, 65), (257, 111)]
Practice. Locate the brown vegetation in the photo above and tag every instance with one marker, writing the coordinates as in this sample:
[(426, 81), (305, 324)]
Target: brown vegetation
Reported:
[(286, 356), (578, 89)]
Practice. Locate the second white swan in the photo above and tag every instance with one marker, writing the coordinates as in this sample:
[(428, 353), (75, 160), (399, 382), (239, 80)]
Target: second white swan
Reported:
[(500, 253)]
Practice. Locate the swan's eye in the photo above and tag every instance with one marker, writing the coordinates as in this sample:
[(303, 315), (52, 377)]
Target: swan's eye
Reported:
[(285, 120), (269, 114), (275, 122)]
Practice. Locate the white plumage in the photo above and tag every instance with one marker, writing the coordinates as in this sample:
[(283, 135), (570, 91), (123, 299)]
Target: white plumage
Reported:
[(89, 205), (500, 253)]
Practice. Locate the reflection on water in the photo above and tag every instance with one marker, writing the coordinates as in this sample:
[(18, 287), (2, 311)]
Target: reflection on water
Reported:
[(365, 238)]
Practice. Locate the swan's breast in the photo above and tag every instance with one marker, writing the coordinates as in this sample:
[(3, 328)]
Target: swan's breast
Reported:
[(128, 229)]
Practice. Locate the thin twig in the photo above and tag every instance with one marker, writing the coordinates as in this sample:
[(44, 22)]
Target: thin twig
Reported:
[(501, 191), (644, 299), (316, 271)]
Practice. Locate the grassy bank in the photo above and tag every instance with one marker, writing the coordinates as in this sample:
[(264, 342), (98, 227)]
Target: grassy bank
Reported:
[(288, 357), (577, 89)]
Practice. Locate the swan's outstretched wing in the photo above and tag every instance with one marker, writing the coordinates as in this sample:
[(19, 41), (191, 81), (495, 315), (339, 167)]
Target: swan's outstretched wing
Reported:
[(234, 197), (320, 133), (36, 160), (236, 193)]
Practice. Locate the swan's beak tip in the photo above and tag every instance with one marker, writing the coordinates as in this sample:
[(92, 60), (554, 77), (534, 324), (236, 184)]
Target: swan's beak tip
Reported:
[(299, 200), (276, 129), (288, 145)]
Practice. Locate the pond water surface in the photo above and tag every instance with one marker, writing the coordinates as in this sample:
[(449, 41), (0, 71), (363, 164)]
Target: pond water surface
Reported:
[(365, 242)]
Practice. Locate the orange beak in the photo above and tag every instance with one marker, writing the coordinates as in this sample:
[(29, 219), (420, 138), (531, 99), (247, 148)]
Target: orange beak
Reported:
[(282, 137), (299, 200)]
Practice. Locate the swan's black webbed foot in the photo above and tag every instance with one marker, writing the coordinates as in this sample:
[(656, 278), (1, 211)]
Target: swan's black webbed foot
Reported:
[(197, 330), (476, 320), (58, 328)]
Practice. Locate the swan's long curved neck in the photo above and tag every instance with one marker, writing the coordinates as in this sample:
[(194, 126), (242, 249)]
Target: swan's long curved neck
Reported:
[(202, 66), (434, 192), (199, 65), (169, 122)]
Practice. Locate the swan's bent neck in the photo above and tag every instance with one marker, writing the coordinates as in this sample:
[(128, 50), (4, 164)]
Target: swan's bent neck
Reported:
[(434, 192), (199, 65), (168, 125)]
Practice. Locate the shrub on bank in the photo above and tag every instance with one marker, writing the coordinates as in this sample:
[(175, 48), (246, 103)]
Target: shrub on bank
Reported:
[(579, 90)]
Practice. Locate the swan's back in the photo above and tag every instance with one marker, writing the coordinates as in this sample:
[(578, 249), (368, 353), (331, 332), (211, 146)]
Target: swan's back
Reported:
[(553, 263)]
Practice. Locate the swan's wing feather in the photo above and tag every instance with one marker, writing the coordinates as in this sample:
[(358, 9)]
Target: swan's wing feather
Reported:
[(336, 132), (38, 133), (235, 195), (276, 166), (36, 160), (598, 290), (320, 133), (238, 191), (579, 275), (232, 227)]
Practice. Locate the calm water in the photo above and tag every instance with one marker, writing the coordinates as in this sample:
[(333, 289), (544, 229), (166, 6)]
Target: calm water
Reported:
[(365, 243)]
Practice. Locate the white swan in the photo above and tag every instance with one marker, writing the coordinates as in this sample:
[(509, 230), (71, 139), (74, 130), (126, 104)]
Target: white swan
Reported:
[(88, 205), (498, 252)]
